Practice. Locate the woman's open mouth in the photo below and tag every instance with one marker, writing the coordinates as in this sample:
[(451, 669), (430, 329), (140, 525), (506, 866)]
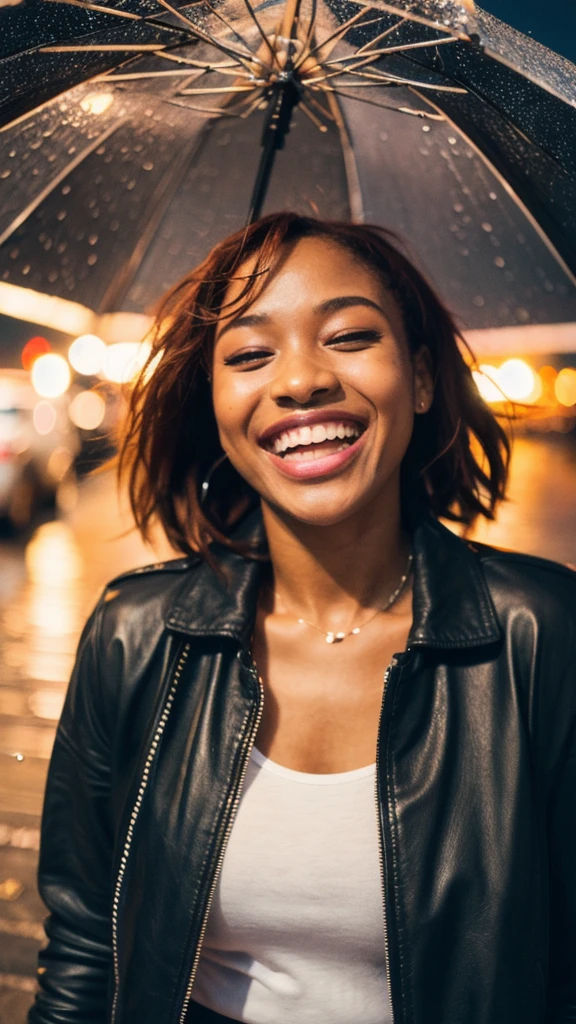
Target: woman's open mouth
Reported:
[(317, 449)]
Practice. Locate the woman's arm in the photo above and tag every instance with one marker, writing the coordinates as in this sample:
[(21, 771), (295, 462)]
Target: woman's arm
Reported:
[(76, 852)]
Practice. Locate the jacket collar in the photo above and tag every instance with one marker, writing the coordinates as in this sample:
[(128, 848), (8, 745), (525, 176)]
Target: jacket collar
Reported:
[(452, 604)]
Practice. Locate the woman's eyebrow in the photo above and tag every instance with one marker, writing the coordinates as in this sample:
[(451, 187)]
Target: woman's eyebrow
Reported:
[(328, 306), (344, 302)]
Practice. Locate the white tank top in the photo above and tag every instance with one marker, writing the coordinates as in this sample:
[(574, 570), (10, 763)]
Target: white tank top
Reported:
[(295, 933)]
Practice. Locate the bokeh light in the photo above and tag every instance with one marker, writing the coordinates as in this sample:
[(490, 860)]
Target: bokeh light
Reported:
[(517, 380), (124, 360), (486, 380), (34, 348), (44, 417), (51, 375), (87, 410), (565, 387), (97, 103), (87, 354)]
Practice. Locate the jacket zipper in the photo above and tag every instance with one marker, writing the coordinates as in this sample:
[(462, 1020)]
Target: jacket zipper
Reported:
[(133, 818), (231, 808), (381, 839)]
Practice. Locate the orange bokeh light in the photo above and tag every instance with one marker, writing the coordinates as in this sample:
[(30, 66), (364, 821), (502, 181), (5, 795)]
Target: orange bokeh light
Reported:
[(34, 348)]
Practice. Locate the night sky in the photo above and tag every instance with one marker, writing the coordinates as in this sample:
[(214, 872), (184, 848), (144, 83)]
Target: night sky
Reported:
[(552, 22)]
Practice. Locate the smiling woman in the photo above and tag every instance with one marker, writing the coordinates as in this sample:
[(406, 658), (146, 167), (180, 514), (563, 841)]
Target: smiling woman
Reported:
[(323, 767), (341, 299)]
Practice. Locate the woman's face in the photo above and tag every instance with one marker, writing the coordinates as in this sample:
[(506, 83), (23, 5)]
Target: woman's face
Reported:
[(314, 387)]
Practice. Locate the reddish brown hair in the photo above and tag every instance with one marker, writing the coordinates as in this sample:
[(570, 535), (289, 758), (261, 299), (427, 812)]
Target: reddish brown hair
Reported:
[(458, 457)]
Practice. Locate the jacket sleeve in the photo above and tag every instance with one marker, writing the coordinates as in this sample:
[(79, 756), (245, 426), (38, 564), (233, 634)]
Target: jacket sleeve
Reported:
[(75, 869), (561, 1001)]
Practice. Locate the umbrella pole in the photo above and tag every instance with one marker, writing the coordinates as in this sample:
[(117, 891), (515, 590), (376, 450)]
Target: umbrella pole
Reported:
[(285, 96)]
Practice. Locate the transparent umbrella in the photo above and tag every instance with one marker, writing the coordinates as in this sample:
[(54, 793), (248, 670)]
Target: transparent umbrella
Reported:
[(138, 133)]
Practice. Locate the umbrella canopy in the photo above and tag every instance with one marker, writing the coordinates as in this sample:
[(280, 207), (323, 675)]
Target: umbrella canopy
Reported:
[(137, 134)]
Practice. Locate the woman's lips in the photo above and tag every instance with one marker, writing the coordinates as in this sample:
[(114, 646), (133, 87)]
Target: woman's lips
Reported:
[(306, 469)]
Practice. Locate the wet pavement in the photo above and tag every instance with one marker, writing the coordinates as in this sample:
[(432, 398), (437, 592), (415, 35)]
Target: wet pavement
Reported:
[(48, 585)]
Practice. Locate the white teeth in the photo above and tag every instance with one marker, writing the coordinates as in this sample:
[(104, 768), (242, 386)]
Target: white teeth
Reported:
[(320, 432)]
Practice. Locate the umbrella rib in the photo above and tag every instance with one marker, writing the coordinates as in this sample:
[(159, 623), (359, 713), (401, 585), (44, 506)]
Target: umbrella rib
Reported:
[(383, 106), (217, 89), (102, 48), (395, 81), (229, 26), (324, 110), (312, 116), (166, 55), (377, 39), (394, 49), (265, 38), (207, 37), (411, 16), (100, 9), (334, 37), (49, 188), (508, 188)]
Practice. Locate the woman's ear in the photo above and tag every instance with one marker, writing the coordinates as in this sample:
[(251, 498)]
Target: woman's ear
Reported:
[(423, 380)]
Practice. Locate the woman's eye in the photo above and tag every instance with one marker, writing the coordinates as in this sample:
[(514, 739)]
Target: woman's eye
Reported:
[(356, 339), (253, 356)]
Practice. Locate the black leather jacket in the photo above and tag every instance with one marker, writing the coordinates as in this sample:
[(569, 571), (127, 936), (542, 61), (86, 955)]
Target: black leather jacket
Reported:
[(476, 782)]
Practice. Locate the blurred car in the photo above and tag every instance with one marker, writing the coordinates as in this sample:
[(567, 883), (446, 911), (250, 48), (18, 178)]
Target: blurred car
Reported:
[(38, 445)]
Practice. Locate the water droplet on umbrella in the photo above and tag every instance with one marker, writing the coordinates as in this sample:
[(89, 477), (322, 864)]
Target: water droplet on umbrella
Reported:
[(520, 239), (478, 301), (458, 208), (486, 226), (71, 150), (36, 144), (548, 286), (92, 259), (499, 261), (48, 244), (492, 195), (114, 225), (66, 190), (452, 140), (464, 252), (131, 184), (92, 239), (14, 254), (61, 247), (148, 166), (383, 136), (12, 154), (53, 276), (425, 127), (101, 150), (522, 314), (26, 269), (61, 215), (5, 174)]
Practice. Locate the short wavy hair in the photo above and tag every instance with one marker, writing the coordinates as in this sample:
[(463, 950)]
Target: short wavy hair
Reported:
[(458, 457)]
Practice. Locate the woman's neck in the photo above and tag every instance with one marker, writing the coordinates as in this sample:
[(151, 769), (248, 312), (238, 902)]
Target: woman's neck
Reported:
[(334, 572)]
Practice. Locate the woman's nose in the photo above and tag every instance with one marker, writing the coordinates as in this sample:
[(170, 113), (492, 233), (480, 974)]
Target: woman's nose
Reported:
[(301, 380)]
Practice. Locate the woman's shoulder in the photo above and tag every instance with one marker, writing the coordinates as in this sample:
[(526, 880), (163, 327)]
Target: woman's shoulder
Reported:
[(147, 591), (520, 580)]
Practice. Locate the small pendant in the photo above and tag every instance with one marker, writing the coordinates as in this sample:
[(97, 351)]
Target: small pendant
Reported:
[(335, 638)]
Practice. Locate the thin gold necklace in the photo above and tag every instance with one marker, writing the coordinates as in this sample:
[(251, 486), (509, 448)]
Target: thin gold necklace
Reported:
[(332, 637)]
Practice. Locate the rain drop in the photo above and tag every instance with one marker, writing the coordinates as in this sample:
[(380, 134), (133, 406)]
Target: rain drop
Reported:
[(114, 225), (486, 226), (499, 261), (53, 276), (48, 244), (5, 174), (14, 254), (92, 259), (492, 195), (61, 215), (131, 184), (61, 247), (51, 158), (520, 239), (101, 150), (71, 150), (12, 154), (123, 149), (66, 190), (464, 252), (458, 208), (148, 166), (478, 301), (522, 314), (548, 286), (425, 127), (26, 269), (92, 239), (384, 136), (452, 140), (36, 144)]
